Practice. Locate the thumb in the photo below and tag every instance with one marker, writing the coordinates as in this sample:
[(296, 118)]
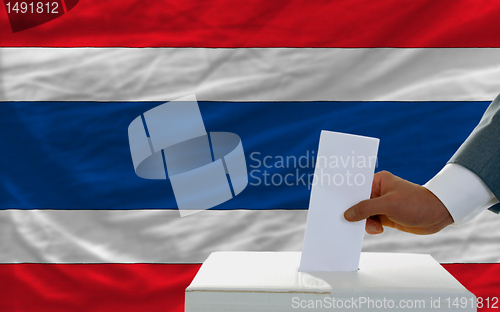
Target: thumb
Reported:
[(366, 209)]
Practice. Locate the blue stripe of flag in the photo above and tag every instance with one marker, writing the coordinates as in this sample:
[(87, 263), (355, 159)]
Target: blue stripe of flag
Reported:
[(75, 155)]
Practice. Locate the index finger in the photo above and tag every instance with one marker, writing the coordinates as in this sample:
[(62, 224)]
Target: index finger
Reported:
[(366, 209)]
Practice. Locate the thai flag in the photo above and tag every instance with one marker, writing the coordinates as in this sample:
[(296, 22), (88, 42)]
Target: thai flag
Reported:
[(80, 231)]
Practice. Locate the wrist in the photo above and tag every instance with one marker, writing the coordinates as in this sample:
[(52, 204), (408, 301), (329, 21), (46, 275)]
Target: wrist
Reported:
[(440, 215)]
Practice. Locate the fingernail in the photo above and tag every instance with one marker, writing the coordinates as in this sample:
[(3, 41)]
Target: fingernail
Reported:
[(349, 215), (373, 228)]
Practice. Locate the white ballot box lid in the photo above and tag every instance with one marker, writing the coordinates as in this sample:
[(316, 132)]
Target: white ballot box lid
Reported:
[(270, 281)]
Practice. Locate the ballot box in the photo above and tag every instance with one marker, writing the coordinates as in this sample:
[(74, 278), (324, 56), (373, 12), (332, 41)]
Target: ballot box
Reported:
[(271, 282)]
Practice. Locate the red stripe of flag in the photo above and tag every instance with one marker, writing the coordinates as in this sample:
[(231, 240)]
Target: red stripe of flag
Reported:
[(94, 287), (482, 279), (151, 287), (264, 23)]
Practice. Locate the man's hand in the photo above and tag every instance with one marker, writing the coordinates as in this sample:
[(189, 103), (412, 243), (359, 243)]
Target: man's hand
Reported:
[(401, 205)]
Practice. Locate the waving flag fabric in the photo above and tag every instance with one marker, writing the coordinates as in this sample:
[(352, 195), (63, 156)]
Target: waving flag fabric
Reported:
[(80, 231)]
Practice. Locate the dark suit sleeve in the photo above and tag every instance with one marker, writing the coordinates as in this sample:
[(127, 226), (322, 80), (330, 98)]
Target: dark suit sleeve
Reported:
[(480, 153)]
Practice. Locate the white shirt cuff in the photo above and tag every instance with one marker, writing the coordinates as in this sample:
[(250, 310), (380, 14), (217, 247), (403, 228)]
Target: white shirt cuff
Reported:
[(462, 192)]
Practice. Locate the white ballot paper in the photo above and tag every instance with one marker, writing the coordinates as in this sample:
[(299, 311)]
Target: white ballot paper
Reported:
[(343, 176)]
